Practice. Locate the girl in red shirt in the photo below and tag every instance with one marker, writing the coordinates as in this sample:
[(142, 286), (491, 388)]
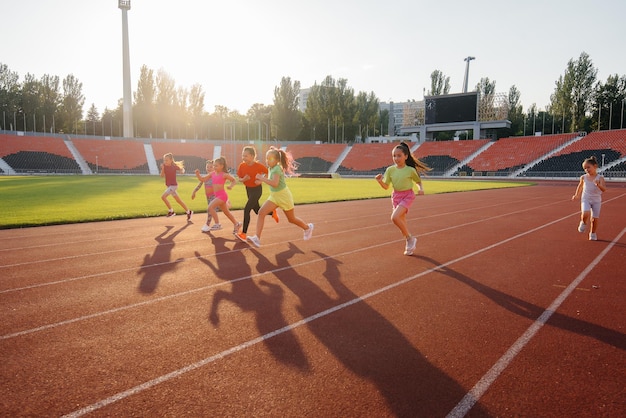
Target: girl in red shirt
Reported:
[(168, 170)]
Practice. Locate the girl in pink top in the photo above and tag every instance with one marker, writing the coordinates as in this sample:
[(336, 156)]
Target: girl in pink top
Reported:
[(219, 176)]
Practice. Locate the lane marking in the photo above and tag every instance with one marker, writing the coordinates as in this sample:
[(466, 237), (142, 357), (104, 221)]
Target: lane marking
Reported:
[(479, 389), (71, 279), (235, 349), (223, 283)]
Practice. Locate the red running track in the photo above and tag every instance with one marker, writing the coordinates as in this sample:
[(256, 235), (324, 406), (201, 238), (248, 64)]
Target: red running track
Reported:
[(504, 310)]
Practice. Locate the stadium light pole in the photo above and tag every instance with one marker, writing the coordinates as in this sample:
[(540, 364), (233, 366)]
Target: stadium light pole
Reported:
[(465, 79), (124, 5)]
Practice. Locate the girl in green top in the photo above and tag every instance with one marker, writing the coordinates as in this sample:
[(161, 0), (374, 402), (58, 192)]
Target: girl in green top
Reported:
[(278, 163), (401, 176)]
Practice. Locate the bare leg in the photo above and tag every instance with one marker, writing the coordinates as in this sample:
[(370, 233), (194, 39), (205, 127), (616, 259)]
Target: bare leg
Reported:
[(398, 216), (267, 207), (292, 218)]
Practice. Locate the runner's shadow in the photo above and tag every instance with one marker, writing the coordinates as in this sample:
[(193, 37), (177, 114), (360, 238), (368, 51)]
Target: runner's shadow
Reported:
[(263, 300), (366, 343), (159, 263), (533, 312)]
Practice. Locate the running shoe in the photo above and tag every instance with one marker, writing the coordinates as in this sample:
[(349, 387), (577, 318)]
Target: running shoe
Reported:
[(411, 243), (275, 215), (171, 213), (308, 233), (215, 227), (253, 239), (241, 236), (593, 237), (581, 227), (205, 228), (189, 213)]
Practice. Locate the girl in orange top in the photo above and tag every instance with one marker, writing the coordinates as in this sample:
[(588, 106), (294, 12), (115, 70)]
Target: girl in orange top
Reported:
[(247, 172)]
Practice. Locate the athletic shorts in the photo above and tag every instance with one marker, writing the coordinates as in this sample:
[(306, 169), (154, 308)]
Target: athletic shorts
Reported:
[(404, 198), (283, 199), (221, 195), (592, 206), (171, 191)]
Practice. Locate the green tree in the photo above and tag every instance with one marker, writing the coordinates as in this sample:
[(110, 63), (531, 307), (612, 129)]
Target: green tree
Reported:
[(439, 84), (515, 112), (286, 118), (165, 103), (93, 125), (607, 103), (29, 102), (72, 104), (144, 109), (50, 99), (9, 96), (366, 113), (574, 92)]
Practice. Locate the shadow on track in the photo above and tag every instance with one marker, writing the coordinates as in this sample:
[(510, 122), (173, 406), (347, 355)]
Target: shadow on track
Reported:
[(366, 343), (157, 264), (263, 300)]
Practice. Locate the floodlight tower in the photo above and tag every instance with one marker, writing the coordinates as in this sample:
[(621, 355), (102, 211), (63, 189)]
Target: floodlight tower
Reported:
[(468, 59), (124, 5)]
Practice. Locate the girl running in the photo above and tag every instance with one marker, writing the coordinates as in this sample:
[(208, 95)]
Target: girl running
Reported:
[(168, 170), (590, 189), (279, 163), (247, 171), (401, 176), (208, 190), (218, 177)]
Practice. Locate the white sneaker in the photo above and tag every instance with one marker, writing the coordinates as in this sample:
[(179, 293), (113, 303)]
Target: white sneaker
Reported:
[(254, 240), (215, 227), (581, 227), (411, 243), (593, 237), (205, 228), (308, 233)]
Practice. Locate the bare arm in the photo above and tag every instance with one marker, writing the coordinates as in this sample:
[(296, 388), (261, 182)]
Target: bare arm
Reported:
[(579, 189), (379, 179), (273, 181), (601, 184)]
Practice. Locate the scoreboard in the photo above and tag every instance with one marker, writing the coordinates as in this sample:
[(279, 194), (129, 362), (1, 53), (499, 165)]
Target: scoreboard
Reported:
[(450, 108)]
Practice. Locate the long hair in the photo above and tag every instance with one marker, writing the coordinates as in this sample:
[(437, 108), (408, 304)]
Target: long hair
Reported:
[(411, 160), (222, 160), (285, 159), (180, 164), (250, 150)]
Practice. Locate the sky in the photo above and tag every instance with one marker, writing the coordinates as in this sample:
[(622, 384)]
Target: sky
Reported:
[(239, 50)]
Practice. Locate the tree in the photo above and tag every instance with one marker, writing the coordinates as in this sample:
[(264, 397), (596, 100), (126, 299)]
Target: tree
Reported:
[(574, 91), (144, 109), (165, 102), (93, 119), (515, 111), (9, 95), (607, 103), (72, 104), (30, 102), (286, 118), (366, 113), (439, 84), (50, 99)]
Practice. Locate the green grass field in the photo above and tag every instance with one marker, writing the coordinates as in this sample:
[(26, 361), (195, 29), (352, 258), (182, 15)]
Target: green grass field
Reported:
[(47, 200)]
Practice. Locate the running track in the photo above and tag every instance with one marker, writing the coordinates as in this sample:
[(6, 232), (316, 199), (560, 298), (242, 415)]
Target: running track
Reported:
[(504, 310)]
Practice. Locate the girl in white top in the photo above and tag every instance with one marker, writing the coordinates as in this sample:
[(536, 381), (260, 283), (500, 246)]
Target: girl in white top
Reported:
[(590, 189)]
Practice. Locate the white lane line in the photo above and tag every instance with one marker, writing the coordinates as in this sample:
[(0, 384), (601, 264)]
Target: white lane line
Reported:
[(177, 373), (191, 291), (343, 231), (479, 389), (118, 250)]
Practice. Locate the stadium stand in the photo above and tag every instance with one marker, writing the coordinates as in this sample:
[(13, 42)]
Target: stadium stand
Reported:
[(610, 143), (37, 154), (510, 154), (113, 156), (315, 158), (441, 156), (367, 159), (193, 153)]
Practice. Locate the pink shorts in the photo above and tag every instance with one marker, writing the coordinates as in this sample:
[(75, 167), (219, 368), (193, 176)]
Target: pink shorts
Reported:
[(404, 198), (221, 195)]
